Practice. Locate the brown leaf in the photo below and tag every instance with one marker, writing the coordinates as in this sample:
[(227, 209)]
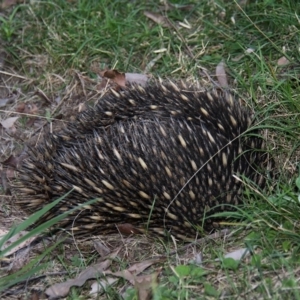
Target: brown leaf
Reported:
[(101, 248), (128, 274), (138, 268), (120, 78), (20, 108), (30, 122), (30, 109), (159, 19), (11, 161), (145, 284), (128, 229), (35, 295), (20, 260), (4, 177), (95, 271), (115, 76), (15, 161), (8, 3), (10, 173), (62, 289), (6, 174)]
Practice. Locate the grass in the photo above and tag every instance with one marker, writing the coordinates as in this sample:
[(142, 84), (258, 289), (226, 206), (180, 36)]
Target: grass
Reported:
[(46, 44)]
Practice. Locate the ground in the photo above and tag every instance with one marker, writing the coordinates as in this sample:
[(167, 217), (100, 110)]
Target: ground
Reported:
[(53, 55)]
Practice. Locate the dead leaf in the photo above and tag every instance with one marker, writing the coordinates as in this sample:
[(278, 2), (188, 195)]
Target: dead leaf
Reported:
[(95, 271), (9, 122), (120, 78), (237, 254), (30, 109), (12, 98), (18, 247), (3, 232), (221, 75), (283, 61), (187, 7), (128, 274), (159, 19), (20, 260), (11, 161), (140, 267), (7, 174), (115, 76), (99, 286), (20, 108), (144, 285), (57, 99), (249, 50), (127, 229), (8, 3), (10, 174), (62, 289), (198, 259), (35, 295), (4, 101), (15, 161), (101, 248), (137, 78)]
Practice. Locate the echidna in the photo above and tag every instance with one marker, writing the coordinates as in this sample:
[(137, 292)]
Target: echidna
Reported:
[(160, 157)]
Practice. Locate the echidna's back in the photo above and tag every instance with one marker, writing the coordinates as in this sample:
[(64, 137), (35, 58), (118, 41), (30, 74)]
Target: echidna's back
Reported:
[(160, 157)]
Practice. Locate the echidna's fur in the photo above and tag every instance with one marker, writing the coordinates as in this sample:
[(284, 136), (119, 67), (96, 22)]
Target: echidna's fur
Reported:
[(160, 157)]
